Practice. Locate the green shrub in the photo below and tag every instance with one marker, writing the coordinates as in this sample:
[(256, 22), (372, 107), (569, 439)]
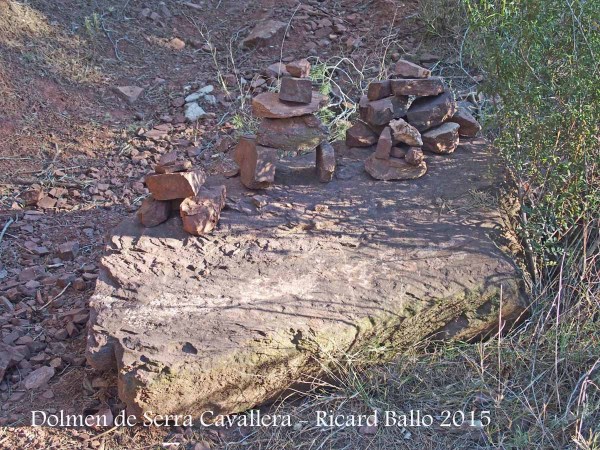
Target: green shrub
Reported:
[(542, 64)]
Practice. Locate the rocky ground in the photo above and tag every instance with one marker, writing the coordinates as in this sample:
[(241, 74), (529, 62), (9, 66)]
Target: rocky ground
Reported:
[(91, 97)]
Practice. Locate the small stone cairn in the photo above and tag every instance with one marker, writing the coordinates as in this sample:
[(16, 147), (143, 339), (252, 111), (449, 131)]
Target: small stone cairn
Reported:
[(176, 187), (401, 130), (288, 124)]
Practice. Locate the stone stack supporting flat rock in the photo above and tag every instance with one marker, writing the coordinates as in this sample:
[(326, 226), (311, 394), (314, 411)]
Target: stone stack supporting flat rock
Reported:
[(171, 187), (190, 325), (385, 108), (288, 124), (201, 213)]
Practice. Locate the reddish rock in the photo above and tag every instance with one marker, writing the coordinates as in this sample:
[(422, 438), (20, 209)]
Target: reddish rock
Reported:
[(129, 93), (406, 69), (268, 105), (46, 202), (257, 163), (175, 185), (67, 251), (293, 134), (403, 132), (414, 156), (400, 104), (384, 144), (201, 213), (276, 70), (363, 105), (270, 32), (379, 112), (428, 112), (325, 162), (469, 127), (399, 152), (32, 196), (153, 212), (360, 135), (38, 377), (442, 139), (168, 158), (297, 90), (379, 89), (299, 69), (393, 169), (178, 166), (417, 86)]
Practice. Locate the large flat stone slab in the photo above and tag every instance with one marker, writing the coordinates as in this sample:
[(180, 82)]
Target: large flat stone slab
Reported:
[(312, 272)]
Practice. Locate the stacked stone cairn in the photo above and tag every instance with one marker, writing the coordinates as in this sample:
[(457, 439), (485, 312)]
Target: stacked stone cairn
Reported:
[(402, 129), (176, 187), (288, 124)]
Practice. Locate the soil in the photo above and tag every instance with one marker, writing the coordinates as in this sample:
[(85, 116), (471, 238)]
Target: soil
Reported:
[(65, 131)]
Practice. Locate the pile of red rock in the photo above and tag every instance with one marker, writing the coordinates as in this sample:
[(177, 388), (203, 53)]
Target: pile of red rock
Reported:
[(404, 115), (288, 124), (177, 187)]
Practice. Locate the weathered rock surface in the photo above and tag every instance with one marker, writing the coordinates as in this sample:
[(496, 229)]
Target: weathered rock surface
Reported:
[(269, 32), (414, 156), (469, 127), (153, 212), (360, 135), (257, 163), (417, 86), (268, 105), (230, 322), (293, 134), (129, 93), (299, 69), (325, 162), (297, 90), (201, 213), (428, 112), (379, 89), (171, 186), (405, 133), (384, 144), (406, 69), (443, 139), (393, 169)]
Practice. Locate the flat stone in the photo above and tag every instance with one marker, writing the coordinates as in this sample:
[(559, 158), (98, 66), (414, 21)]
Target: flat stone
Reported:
[(268, 105), (129, 93), (414, 156), (39, 377), (384, 144), (469, 127), (171, 186), (266, 33), (379, 89), (192, 324), (418, 86), (178, 166), (297, 90), (201, 213), (405, 133), (67, 251), (295, 134), (257, 163), (360, 135), (194, 112), (442, 139), (393, 169), (153, 212), (299, 69), (406, 69), (325, 162), (428, 112)]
